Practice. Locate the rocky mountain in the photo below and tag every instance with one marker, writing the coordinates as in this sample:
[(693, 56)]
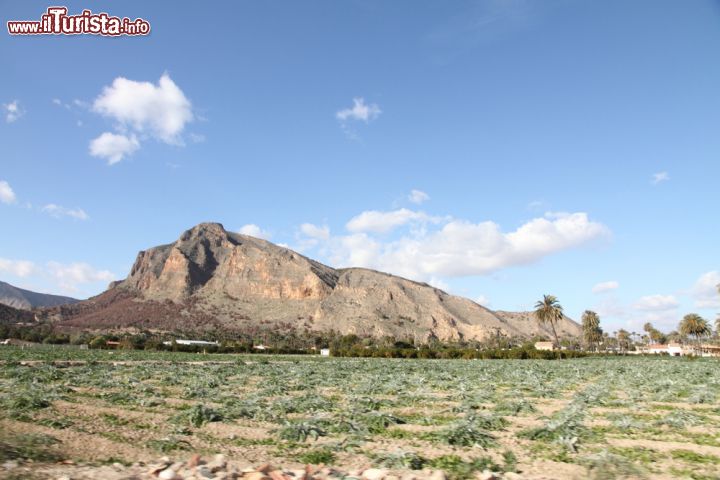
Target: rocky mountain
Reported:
[(26, 300), (211, 278), (9, 315)]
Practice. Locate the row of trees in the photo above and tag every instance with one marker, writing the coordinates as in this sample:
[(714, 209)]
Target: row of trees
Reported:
[(692, 327)]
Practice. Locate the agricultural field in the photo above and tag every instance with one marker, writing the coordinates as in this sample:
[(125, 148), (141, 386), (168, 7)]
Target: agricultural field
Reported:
[(596, 417)]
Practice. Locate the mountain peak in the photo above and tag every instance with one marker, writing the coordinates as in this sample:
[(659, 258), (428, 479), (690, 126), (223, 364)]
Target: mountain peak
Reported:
[(213, 278)]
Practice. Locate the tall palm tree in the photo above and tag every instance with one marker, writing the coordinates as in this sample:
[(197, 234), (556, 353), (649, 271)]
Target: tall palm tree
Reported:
[(648, 328), (592, 333), (549, 311), (623, 339), (693, 325)]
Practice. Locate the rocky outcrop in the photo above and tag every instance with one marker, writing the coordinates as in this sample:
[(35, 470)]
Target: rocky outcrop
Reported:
[(213, 277)]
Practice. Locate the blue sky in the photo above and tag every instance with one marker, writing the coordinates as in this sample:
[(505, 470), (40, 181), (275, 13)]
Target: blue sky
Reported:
[(565, 147)]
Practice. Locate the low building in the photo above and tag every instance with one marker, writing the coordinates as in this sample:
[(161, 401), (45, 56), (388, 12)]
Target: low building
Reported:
[(677, 350), (324, 352), (201, 343), (260, 347), (544, 346), (656, 349)]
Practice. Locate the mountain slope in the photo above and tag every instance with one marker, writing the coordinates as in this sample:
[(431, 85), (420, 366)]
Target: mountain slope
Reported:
[(9, 315), (211, 278), (26, 300)]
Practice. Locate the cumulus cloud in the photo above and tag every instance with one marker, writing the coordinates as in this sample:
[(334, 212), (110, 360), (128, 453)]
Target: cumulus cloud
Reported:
[(604, 287), (660, 177), (69, 276), (455, 248), (19, 268), (383, 222), (7, 195), (161, 110), (13, 111), (418, 196), (705, 290), (254, 231), (657, 303), (314, 231), (66, 277), (359, 111), (58, 211), (113, 147)]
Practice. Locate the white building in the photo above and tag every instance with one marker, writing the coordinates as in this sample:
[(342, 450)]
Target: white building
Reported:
[(544, 346), (324, 352), (201, 343)]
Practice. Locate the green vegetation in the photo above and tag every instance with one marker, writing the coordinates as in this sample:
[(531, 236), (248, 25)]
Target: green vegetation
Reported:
[(461, 416)]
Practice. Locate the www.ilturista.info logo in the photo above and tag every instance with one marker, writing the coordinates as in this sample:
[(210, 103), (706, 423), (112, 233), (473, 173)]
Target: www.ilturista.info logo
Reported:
[(57, 22)]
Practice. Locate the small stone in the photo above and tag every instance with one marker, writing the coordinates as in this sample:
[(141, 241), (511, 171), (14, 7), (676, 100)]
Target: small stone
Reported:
[(375, 473), (204, 472), (298, 474), (256, 476), (512, 476), (218, 463), (168, 474), (194, 461), (277, 475), (487, 475)]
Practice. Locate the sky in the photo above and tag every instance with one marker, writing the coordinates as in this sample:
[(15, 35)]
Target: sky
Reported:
[(499, 150)]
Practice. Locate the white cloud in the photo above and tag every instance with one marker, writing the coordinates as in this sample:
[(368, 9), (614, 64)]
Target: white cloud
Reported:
[(705, 291), (254, 231), (315, 232), (13, 111), (483, 300), (660, 177), (7, 195), (359, 111), (58, 211), (57, 101), (439, 283), (383, 222), (161, 110), (604, 287), (457, 247), (113, 147), (418, 197), (69, 276), (657, 303), (19, 268)]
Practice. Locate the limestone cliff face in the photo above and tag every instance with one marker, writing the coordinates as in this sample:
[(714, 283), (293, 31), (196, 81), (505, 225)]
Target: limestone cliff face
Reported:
[(239, 282)]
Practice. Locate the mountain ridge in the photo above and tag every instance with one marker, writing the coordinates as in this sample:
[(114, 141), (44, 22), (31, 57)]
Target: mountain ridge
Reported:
[(23, 299), (212, 278)]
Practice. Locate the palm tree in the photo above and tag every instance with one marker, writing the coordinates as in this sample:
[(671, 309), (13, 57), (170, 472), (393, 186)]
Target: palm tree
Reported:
[(548, 310), (648, 328), (693, 325), (592, 333), (623, 339)]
